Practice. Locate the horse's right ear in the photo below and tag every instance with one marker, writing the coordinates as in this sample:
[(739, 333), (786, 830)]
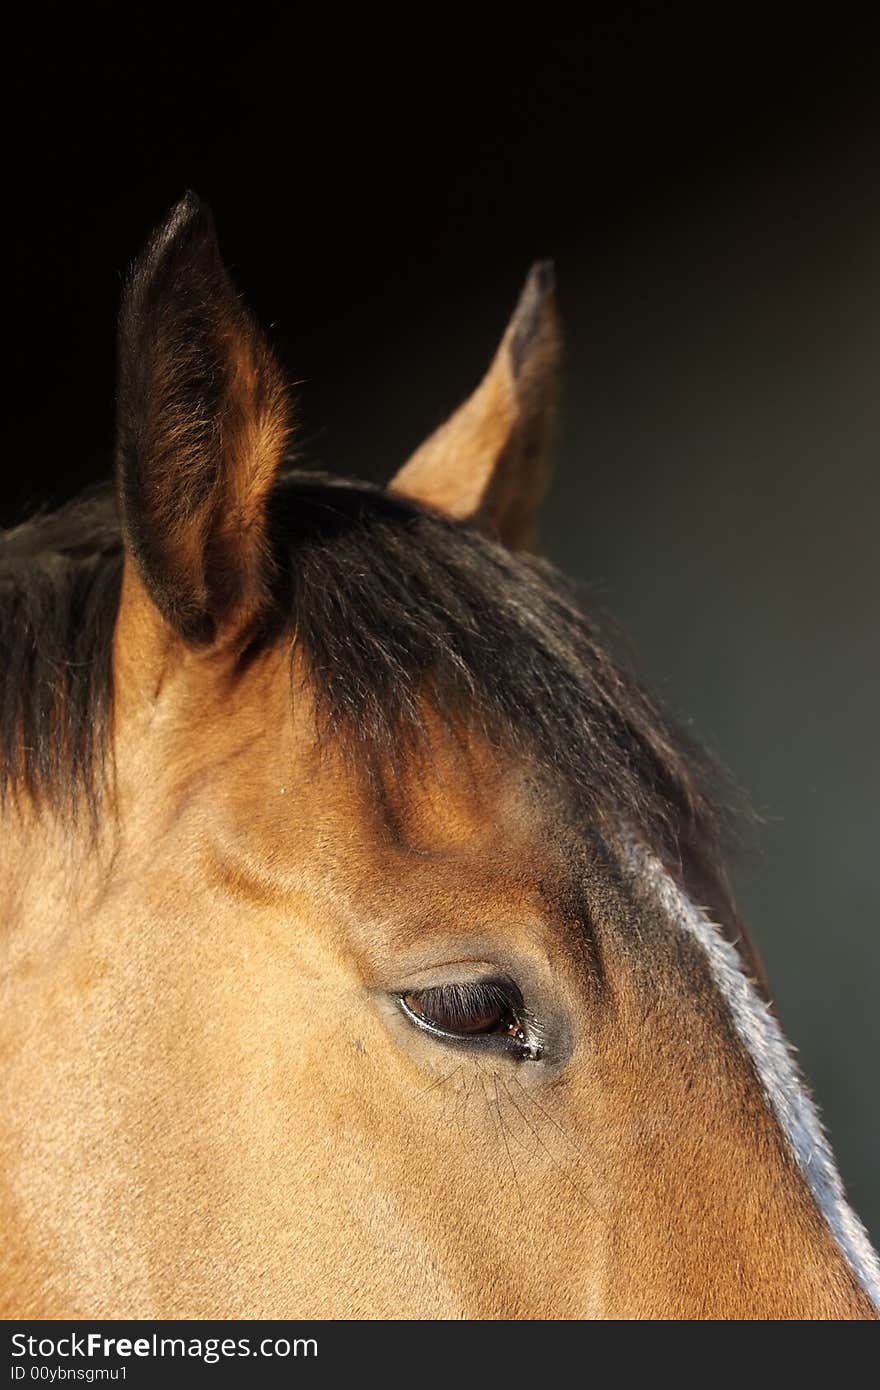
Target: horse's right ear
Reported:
[(202, 425)]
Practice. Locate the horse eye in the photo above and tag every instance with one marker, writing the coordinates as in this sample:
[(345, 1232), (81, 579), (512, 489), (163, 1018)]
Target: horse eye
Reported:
[(477, 1009)]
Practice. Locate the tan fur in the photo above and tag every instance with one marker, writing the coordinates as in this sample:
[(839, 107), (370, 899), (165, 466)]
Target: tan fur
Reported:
[(212, 1109)]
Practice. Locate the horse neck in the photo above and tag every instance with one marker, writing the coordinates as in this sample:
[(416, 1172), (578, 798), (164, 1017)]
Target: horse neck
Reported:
[(52, 868)]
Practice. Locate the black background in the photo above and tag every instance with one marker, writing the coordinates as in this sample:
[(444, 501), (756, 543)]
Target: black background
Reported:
[(707, 183)]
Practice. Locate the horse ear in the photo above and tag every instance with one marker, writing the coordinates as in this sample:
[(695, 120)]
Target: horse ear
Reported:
[(489, 463), (202, 424)]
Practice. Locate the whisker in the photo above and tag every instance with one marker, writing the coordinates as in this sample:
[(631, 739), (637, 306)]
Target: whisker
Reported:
[(506, 1145), (441, 1081), (488, 1099), (465, 1094), (552, 1157), (588, 1158)]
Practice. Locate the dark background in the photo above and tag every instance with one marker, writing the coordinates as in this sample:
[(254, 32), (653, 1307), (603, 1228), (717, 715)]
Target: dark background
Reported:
[(709, 188)]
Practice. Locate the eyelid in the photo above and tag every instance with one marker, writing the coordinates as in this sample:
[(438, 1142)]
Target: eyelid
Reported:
[(526, 1044), (460, 1000), (466, 1039), (452, 970)]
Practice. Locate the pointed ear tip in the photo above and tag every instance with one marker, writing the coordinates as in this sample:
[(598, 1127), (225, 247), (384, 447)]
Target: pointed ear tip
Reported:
[(190, 199), (537, 301), (183, 246), (533, 332), (542, 277), (185, 237), (190, 214)]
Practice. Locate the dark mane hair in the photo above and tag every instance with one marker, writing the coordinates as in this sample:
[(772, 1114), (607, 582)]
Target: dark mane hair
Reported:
[(60, 576), (389, 603)]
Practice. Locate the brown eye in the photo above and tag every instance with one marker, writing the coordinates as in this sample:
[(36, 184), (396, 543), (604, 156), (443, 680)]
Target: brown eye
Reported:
[(478, 1009)]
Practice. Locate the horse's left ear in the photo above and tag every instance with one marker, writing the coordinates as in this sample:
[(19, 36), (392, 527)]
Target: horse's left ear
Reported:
[(489, 463), (202, 425)]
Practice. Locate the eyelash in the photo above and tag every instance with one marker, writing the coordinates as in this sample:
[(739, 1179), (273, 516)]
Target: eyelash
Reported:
[(473, 999)]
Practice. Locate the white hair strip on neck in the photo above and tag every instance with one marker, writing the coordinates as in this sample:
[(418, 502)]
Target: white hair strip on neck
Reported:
[(777, 1072)]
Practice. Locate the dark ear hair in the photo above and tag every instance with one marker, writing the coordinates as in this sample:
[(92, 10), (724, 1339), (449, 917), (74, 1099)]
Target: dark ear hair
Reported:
[(489, 463), (202, 424)]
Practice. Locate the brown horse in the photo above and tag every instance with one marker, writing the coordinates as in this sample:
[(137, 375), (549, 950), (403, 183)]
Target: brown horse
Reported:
[(367, 949)]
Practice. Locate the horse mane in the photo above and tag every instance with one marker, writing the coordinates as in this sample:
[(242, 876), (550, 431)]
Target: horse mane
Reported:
[(60, 579), (388, 603)]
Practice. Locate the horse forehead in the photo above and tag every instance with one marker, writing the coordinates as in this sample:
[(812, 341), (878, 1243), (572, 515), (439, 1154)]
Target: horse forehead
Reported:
[(457, 792), (445, 791)]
